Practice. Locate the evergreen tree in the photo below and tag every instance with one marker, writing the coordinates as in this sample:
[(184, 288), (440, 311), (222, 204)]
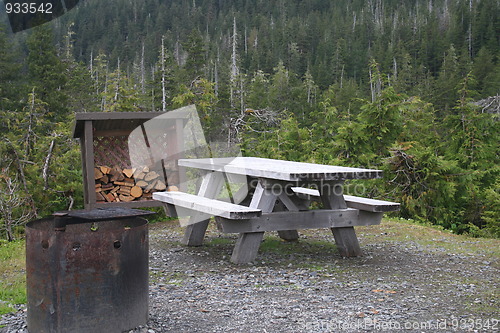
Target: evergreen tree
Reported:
[(446, 84), (47, 72), (195, 62), (486, 73), (10, 74)]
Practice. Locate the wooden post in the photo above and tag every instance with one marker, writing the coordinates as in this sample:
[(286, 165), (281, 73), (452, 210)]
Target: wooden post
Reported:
[(88, 160), (345, 237)]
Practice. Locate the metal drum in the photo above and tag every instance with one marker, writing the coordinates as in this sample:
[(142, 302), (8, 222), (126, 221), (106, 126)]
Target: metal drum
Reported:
[(87, 274)]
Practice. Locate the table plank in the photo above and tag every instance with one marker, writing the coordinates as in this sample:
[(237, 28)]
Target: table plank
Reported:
[(313, 219), (208, 206), (280, 170)]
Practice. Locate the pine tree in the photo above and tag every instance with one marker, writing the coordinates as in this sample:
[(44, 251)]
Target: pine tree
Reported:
[(486, 73), (10, 74), (195, 62), (47, 73)]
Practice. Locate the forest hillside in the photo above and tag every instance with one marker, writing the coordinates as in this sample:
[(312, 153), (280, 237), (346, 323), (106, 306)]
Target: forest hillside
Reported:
[(410, 87)]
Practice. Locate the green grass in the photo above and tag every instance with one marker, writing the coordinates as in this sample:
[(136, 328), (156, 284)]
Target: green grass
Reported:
[(429, 237), (13, 275), (219, 241)]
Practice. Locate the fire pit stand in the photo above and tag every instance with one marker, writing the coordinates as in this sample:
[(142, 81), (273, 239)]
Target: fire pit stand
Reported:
[(87, 271)]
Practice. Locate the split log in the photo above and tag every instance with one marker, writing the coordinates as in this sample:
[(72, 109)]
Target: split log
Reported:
[(160, 186), (105, 170), (104, 179), (107, 186), (128, 172), (116, 175), (123, 190), (136, 192), (109, 197), (139, 175), (124, 183), (151, 175), (125, 198), (97, 173), (115, 184), (150, 187), (141, 183)]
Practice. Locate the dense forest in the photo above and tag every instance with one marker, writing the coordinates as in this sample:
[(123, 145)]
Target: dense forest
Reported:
[(404, 86)]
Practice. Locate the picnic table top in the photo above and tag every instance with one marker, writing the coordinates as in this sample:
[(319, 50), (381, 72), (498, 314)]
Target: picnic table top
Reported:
[(280, 169)]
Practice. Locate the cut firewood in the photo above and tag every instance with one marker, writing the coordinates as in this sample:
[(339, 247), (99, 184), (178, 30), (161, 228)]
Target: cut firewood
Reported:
[(97, 173), (124, 189), (160, 186), (107, 186), (150, 187), (126, 198), (109, 197), (116, 175), (104, 169), (104, 179), (114, 184), (128, 172), (139, 175), (136, 191), (124, 184), (141, 183), (151, 175)]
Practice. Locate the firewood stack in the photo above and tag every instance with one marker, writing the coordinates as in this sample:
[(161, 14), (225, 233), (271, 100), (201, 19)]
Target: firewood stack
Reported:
[(125, 185)]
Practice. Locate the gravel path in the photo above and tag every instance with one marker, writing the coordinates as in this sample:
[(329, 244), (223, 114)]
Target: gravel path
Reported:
[(399, 285)]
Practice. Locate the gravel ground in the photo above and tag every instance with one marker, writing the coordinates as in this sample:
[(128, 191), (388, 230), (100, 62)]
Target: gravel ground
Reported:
[(401, 284)]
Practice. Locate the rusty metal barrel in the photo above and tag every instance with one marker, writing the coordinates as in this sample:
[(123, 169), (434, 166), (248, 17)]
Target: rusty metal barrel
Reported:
[(87, 271)]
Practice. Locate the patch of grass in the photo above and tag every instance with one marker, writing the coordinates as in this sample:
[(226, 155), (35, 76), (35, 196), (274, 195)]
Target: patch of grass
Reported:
[(276, 245), (13, 275), (220, 241), (306, 247), (429, 237), (175, 278)]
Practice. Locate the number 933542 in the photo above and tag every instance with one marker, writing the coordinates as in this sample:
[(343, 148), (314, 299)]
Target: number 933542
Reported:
[(28, 8)]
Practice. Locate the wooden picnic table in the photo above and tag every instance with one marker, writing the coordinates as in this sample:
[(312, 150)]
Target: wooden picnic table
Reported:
[(276, 197)]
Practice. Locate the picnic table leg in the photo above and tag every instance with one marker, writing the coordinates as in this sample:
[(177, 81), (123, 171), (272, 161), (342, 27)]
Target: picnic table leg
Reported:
[(195, 233), (247, 245), (347, 242), (345, 237), (287, 235), (210, 188)]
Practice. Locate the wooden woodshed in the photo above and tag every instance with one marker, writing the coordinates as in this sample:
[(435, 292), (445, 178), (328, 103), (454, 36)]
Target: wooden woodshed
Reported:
[(109, 178)]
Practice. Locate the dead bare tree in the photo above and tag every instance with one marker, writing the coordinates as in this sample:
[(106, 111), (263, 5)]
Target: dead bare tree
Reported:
[(14, 208)]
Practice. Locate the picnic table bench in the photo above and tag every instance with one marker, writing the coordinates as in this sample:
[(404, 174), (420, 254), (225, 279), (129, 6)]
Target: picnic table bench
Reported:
[(276, 197)]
